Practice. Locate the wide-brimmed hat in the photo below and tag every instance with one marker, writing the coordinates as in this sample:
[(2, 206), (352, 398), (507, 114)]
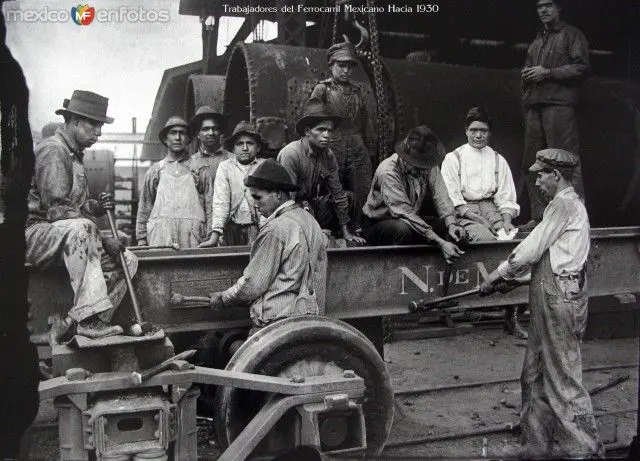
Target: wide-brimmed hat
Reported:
[(244, 128), (344, 51), (201, 114), (550, 159), (420, 148), (86, 104), (314, 112), (270, 175), (174, 120)]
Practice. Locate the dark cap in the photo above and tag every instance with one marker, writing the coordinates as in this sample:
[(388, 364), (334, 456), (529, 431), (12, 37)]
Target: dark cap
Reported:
[(270, 175), (344, 51), (86, 104), (203, 113), (554, 158), (315, 112), (420, 148)]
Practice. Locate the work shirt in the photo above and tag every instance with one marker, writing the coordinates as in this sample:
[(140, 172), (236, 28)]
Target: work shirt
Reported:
[(564, 231), (396, 194), (279, 257), (59, 187), (203, 182), (211, 160), (346, 101), (231, 199), (315, 173), (563, 50), (472, 175)]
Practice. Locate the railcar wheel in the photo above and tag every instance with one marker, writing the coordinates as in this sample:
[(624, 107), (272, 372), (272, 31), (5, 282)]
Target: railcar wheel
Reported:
[(306, 346)]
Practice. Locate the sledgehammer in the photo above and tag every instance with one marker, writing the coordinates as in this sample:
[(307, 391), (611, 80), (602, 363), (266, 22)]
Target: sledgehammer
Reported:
[(140, 327)]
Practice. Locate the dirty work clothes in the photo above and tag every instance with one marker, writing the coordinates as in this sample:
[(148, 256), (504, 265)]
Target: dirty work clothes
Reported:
[(349, 147), (396, 194), (174, 204), (480, 180), (232, 203), (550, 119), (59, 185), (549, 126), (316, 173), (77, 244), (288, 242), (323, 210), (557, 417), (563, 231), (210, 160), (395, 231)]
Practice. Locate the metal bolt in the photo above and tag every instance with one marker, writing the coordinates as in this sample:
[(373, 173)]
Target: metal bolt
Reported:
[(297, 379), (348, 374)]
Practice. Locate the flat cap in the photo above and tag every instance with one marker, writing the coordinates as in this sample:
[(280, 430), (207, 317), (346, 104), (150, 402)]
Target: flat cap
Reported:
[(554, 158), (344, 51)]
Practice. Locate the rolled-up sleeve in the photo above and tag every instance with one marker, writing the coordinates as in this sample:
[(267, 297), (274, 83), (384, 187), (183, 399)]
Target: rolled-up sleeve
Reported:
[(505, 196), (531, 249)]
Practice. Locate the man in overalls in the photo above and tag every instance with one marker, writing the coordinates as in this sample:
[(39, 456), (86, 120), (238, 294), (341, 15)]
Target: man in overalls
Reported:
[(345, 98), (175, 204), (61, 227), (557, 416), (207, 126)]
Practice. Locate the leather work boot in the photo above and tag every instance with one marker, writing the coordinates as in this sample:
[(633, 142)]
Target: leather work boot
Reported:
[(94, 327), (512, 324)]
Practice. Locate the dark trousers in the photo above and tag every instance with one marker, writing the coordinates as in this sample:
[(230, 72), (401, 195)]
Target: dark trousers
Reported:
[(239, 234), (545, 127), (324, 211), (394, 231)]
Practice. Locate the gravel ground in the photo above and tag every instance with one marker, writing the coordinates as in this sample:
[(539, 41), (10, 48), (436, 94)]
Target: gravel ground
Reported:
[(476, 357)]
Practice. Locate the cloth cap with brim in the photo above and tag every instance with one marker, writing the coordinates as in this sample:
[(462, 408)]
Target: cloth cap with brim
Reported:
[(270, 175), (203, 113), (315, 112), (344, 51), (174, 120), (420, 148), (86, 104), (550, 159), (243, 128)]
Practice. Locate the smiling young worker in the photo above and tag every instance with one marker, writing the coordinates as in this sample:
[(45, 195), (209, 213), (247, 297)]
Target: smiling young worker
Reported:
[(175, 204), (557, 417), (287, 271)]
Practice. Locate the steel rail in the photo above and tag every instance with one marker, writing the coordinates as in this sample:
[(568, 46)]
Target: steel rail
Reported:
[(507, 427), (425, 390)]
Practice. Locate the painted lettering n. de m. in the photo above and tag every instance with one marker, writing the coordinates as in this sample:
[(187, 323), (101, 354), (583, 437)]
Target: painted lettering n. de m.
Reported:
[(428, 278)]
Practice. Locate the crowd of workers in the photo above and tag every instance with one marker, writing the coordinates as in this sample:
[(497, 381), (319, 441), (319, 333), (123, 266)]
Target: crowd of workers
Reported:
[(323, 182)]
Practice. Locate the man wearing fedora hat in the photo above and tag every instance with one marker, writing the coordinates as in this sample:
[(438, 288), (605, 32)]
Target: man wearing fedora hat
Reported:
[(287, 271), (400, 186), (234, 215), (313, 167), (207, 126), (61, 227), (557, 417), (175, 204), (343, 97)]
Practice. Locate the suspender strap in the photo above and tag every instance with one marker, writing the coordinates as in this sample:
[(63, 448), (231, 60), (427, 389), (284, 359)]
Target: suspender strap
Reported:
[(496, 173)]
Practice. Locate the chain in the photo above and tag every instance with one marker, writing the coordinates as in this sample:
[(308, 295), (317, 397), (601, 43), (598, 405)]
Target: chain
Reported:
[(383, 121), (334, 34)]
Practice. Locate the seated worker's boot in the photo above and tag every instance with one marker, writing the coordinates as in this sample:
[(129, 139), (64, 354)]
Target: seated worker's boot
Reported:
[(94, 327), (512, 323)]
